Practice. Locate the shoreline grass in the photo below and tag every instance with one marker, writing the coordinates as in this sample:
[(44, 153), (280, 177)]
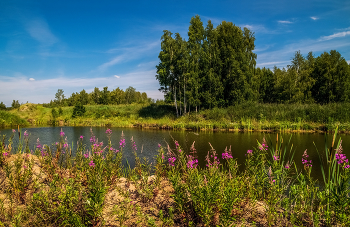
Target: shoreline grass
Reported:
[(245, 117)]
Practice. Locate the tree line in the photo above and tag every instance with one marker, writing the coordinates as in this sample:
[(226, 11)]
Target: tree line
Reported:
[(100, 97), (216, 67)]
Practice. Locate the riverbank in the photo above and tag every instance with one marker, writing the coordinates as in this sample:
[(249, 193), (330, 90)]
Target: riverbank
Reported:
[(51, 187), (245, 117)]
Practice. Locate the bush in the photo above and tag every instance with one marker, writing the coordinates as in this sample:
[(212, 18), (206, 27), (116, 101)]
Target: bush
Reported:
[(78, 111)]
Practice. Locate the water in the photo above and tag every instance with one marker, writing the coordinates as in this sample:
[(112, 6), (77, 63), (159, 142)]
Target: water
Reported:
[(147, 141)]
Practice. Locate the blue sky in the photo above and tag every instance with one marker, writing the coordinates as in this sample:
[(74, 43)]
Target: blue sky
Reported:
[(75, 45)]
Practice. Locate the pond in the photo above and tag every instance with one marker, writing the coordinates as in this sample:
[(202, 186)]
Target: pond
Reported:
[(147, 141)]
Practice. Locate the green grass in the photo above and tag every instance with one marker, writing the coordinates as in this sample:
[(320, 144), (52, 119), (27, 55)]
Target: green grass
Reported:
[(248, 116)]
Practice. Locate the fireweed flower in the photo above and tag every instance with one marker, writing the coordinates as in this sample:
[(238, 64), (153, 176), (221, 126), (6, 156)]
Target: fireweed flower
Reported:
[(227, 154), (5, 154), (171, 161), (192, 162), (25, 134), (122, 143), (159, 145), (92, 139), (86, 155), (176, 144), (306, 163), (65, 145), (263, 146), (81, 137), (62, 133), (249, 152), (92, 164), (276, 157), (287, 165), (108, 131)]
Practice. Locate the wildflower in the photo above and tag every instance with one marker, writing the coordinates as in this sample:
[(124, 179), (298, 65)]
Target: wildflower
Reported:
[(92, 164), (341, 158), (108, 131), (287, 165), (122, 143), (86, 155), (306, 163), (249, 152), (62, 133), (81, 137), (176, 144), (192, 162), (65, 145), (227, 154), (263, 146), (92, 139), (25, 133), (276, 158), (25, 167), (171, 161), (13, 130), (159, 145), (273, 181), (5, 154), (205, 180), (347, 167)]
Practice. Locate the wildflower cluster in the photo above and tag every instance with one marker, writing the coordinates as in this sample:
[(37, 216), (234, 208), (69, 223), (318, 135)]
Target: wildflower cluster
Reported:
[(276, 157), (306, 163), (215, 163), (227, 154), (263, 146), (192, 162), (171, 161), (249, 152)]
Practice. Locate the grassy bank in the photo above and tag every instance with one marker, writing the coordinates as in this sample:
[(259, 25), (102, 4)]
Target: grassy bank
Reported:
[(249, 116), (8, 119), (49, 186)]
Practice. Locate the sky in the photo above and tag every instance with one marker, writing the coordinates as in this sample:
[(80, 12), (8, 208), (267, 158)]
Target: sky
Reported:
[(75, 45)]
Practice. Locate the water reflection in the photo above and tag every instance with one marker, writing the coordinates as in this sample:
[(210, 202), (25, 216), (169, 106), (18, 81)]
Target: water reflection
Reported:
[(147, 141)]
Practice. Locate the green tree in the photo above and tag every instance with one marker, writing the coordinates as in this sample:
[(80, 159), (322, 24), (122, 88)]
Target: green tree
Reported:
[(195, 41), (78, 110), (54, 113), (83, 97), (15, 104), (332, 78), (95, 96), (2, 106), (130, 95), (59, 96), (117, 96), (105, 96)]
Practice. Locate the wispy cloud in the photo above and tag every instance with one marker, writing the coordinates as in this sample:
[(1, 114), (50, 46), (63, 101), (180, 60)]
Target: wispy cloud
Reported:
[(335, 35), (127, 53), (285, 22), (39, 30), (314, 18), (325, 43), (31, 79), (116, 76)]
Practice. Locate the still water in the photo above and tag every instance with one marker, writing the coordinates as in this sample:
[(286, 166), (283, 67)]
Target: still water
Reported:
[(147, 141)]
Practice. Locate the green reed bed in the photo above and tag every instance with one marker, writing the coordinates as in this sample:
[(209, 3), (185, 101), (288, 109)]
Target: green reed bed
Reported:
[(49, 186)]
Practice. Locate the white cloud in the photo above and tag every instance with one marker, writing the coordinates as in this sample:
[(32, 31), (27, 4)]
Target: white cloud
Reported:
[(127, 54), (335, 35), (39, 30), (314, 18), (116, 76), (42, 91), (285, 22), (31, 79)]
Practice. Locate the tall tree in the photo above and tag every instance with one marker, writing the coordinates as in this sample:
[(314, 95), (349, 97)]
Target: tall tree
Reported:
[(195, 41), (59, 96)]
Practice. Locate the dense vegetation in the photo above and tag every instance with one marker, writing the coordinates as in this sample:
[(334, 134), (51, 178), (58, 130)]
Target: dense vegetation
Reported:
[(216, 67), (88, 186)]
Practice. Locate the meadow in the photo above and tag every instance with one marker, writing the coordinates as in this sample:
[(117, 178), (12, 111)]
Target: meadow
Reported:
[(48, 186)]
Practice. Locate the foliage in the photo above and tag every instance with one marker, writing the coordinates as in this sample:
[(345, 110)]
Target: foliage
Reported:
[(78, 111)]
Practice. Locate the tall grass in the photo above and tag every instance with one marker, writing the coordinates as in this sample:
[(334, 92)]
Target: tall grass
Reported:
[(48, 186)]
